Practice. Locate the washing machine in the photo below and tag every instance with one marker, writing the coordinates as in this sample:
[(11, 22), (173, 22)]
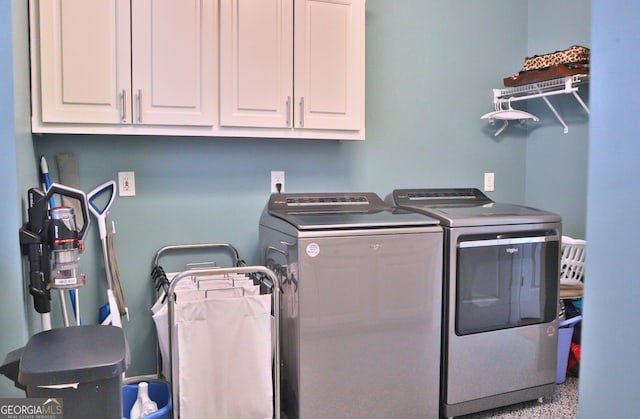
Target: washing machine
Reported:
[(500, 297), (360, 308)]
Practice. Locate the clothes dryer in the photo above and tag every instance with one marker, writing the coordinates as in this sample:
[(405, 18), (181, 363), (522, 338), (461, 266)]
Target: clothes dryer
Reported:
[(361, 305), (501, 264)]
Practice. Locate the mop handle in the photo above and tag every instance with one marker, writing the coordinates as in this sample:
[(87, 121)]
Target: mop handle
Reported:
[(101, 213)]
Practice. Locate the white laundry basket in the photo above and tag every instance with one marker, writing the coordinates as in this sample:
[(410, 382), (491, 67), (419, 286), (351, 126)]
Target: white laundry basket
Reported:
[(572, 259), (572, 267)]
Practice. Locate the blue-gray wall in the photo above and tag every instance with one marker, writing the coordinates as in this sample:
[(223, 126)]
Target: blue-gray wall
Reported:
[(430, 69), (610, 339), (556, 167), (424, 102), (16, 172)]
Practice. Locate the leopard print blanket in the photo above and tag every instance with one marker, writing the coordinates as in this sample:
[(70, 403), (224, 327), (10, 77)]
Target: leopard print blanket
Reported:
[(573, 54)]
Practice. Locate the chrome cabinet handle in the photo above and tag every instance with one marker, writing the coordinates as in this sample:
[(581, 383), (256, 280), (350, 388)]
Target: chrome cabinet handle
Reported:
[(288, 104), (302, 112), (139, 105), (123, 106)]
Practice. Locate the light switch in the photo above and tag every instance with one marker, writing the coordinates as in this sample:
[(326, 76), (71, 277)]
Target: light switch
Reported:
[(489, 182), (126, 183)]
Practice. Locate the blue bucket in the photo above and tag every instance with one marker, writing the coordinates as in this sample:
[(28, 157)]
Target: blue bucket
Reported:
[(565, 332), (564, 345), (159, 392)]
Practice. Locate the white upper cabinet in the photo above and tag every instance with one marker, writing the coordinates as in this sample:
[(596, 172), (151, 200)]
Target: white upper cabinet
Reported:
[(217, 68), (174, 66), (85, 61), (329, 64), (123, 62), (256, 63), (292, 64)]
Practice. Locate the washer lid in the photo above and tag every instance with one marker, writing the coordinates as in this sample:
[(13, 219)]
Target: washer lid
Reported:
[(468, 207), (322, 211)]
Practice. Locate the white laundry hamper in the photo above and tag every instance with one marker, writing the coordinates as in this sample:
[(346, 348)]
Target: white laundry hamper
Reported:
[(218, 329)]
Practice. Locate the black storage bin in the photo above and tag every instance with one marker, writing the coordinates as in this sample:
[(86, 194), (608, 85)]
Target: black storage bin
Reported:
[(86, 362)]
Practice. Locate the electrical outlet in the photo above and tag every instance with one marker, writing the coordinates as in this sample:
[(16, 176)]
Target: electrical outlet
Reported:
[(277, 181), (126, 183), (489, 182)]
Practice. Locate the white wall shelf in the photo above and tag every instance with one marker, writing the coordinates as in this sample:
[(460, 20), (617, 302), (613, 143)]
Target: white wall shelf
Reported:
[(542, 89)]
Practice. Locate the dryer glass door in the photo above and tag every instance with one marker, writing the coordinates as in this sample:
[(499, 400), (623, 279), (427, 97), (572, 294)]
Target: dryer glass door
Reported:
[(505, 282)]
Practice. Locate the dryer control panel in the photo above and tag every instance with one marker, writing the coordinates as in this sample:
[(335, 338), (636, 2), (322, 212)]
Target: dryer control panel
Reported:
[(326, 202), (437, 197)]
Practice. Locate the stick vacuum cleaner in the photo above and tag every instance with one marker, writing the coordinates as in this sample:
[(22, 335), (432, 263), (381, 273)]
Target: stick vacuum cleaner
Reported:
[(53, 243), (80, 368)]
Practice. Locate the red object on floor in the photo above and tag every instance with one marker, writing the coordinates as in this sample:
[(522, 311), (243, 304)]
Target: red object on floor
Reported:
[(574, 355)]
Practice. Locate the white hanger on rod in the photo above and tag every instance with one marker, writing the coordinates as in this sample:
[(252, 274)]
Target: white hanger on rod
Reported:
[(507, 115)]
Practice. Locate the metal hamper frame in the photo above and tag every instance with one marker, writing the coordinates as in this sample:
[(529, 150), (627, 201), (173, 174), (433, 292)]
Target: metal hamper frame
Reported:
[(270, 280)]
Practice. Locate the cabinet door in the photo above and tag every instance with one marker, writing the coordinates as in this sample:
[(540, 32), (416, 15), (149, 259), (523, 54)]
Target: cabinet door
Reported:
[(84, 53), (174, 45), (329, 64), (256, 63)]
